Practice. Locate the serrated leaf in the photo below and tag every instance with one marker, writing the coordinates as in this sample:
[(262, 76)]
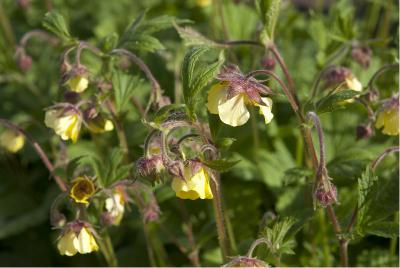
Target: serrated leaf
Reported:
[(277, 235), (194, 81), (365, 186), (55, 22), (166, 111), (335, 101), (139, 36), (191, 37), (220, 165), (124, 86), (383, 229), (269, 12)]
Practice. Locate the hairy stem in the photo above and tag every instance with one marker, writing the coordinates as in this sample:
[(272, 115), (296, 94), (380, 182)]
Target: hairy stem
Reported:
[(61, 184), (219, 217), (376, 162)]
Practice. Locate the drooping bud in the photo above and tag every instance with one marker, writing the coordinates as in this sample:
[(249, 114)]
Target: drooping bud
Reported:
[(372, 95), (388, 117), (268, 63), (243, 261), (12, 140), (24, 62), (57, 219), (151, 212), (363, 132), (326, 195), (77, 79), (342, 76), (362, 55), (150, 167)]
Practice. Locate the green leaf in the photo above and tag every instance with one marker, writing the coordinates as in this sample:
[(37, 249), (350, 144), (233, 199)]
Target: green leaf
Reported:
[(269, 12), (124, 86), (55, 22), (139, 35), (383, 229), (335, 101), (365, 186), (220, 165), (223, 144), (277, 235), (191, 37), (196, 77), (167, 111)]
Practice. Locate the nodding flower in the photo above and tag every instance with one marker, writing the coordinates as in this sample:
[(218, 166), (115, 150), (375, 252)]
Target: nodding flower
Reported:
[(195, 183), (230, 97), (12, 140), (344, 77), (388, 117), (77, 79), (66, 121), (77, 237)]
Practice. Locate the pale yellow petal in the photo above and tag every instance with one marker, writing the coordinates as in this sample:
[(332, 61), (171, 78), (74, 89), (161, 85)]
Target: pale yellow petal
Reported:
[(380, 120), (234, 112), (12, 141), (66, 244), (78, 83), (85, 242), (108, 126), (266, 110), (50, 118), (391, 126), (354, 84), (216, 95)]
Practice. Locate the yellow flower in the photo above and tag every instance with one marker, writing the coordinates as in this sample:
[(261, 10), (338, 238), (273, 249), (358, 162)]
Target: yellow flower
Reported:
[(389, 120), (82, 189), (12, 140), (196, 186), (70, 244), (203, 3), (100, 125), (233, 111), (115, 207), (65, 124), (78, 83), (353, 83)]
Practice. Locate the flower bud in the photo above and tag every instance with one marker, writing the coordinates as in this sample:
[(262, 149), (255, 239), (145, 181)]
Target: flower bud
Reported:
[(203, 3), (57, 219), (24, 62), (372, 95), (12, 140), (363, 132), (243, 261), (268, 63), (326, 196), (362, 55), (150, 167), (96, 122), (23, 4), (77, 80), (115, 207), (388, 117), (151, 212)]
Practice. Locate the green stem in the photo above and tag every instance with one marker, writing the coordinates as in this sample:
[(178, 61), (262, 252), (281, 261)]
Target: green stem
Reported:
[(107, 250), (6, 26), (219, 218), (326, 247)]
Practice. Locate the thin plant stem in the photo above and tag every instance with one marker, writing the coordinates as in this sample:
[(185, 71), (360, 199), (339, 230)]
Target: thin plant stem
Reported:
[(379, 72), (219, 217), (111, 258), (321, 141), (6, 25), (376, 162), (255, 244), (156, 89), (61, 184)]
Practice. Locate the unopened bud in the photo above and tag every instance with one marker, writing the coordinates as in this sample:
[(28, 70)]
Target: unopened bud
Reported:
[(362, 55), (57, 219), (24, 62), (326, 196), (268, 63), (363, 132), (23, 4), (242, 261), (150, 167), (372, 95)]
